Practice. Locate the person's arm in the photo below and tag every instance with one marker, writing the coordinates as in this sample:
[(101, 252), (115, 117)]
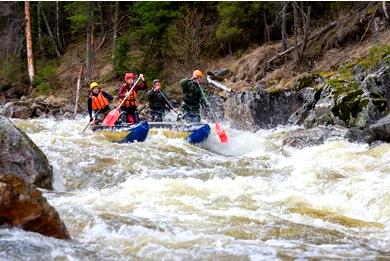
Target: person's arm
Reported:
[(184, 84), (107, 96), (89, 102), (122, 92), (141, 86)]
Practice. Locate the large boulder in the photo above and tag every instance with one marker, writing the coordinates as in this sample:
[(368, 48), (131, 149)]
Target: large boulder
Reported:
[(381, 129), (254, 110), (20, 156), (300, 138), (22, 205)]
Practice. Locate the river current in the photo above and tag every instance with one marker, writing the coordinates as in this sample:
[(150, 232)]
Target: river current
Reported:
[(249, 199)]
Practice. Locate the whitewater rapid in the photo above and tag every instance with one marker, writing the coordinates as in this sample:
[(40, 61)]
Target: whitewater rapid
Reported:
[(250, 199)]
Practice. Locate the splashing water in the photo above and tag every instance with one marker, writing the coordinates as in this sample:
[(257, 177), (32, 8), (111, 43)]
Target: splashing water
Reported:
[(250, 199)]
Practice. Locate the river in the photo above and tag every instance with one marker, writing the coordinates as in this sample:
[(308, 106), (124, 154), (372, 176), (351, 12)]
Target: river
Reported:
[(249, 199)]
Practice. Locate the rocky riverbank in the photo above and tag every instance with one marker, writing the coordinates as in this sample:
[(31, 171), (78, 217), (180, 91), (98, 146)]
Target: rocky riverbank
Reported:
[(354, 96)]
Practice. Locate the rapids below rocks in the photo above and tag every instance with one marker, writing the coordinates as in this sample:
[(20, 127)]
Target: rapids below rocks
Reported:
[(250, 199)]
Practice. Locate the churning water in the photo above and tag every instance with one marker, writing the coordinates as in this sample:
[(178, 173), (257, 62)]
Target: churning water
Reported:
[(250, 199)]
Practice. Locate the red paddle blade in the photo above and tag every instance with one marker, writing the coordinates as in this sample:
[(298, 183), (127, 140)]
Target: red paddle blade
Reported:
[(111, 118), (221, 132)]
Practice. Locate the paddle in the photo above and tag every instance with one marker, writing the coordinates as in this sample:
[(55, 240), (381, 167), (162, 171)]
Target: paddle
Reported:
[(166, 99), (113, 115), (89, 123), (220, 131), (170, 105)]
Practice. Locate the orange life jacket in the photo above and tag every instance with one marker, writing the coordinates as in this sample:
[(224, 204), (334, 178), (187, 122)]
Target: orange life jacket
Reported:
[(131, 100), (99, 102)]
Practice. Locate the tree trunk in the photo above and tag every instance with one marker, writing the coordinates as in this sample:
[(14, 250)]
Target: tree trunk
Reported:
[(101, 18), (39, 30), (89, 53), (306, 26), (385, 10), (49, 30), (116, 18), (78, 85), (284, 34), (266, 31), (30, 56), (58, 26), (296, 32)]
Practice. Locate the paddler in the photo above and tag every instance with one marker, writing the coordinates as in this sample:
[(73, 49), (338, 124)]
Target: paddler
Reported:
[(98, 102), (129, 111)]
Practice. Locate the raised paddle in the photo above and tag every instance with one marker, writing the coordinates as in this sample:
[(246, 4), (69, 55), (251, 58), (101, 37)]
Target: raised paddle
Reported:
[(89, 123), (113, 115), (220, 131)]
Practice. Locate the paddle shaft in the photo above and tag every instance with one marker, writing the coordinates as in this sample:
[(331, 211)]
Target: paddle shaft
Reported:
[(170, 105), (128, 93), (89, 123), (220, 131), (166, 99), (207, 102), (113, 115)]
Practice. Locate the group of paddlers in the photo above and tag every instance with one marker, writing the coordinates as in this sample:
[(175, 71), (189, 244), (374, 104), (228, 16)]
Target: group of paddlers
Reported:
[(193, 99)]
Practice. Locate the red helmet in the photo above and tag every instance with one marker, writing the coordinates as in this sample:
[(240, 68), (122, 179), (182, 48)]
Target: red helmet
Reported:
[(129, 75)]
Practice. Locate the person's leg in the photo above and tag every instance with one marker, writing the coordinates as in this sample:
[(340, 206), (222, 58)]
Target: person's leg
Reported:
[(135, 115), (123, 115)]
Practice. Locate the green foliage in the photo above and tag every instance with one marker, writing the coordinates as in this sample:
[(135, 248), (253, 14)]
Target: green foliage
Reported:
[(11, 69), (122, 61), (78, 15), (242, 23), (152, 18), (46, 79), (375, 55)]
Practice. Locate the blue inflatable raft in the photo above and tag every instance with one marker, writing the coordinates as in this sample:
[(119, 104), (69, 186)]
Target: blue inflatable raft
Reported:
[(193, 132), (125, 132)]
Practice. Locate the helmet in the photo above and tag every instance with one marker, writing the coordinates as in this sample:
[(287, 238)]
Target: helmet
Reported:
[(129, 75), (93, 85), (156, 81), (197, 73)]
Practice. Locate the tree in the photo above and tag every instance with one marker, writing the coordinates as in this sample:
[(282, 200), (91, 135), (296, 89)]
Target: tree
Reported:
[(115, 34), (90, 49), (30, 56), (283, 27), (49, 30)]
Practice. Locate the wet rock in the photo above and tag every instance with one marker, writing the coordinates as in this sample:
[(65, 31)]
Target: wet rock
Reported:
[(16, 110), (315, 136), (254, 110), (359, 135), (261, 86), (381, 129), (359, 73), (221, 74), (35, 107), (355, 103), (378, 82), (20, 156), (22, 205)]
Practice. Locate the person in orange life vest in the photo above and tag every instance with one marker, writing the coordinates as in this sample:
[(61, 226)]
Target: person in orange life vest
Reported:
[(129, 107), (98, 102)]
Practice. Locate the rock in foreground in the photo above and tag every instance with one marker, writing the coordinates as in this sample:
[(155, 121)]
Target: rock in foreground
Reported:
[(20, 156), (22, 205)]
